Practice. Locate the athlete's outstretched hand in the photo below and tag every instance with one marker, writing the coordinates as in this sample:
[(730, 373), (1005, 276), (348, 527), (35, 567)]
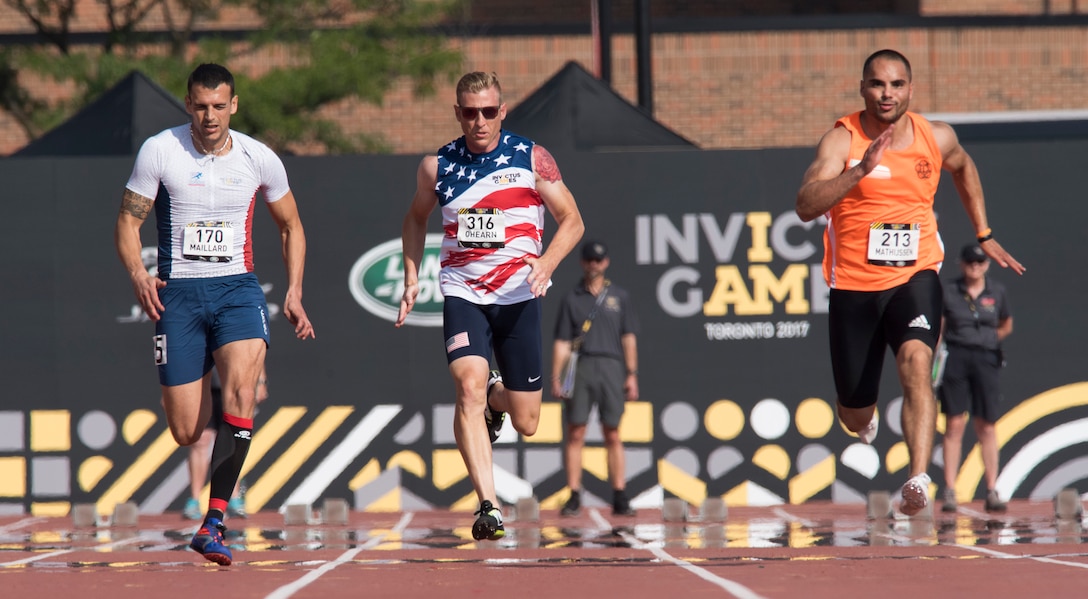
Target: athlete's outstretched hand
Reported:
[(407, 302), (296, 314), (994, 250), (146, 288), (875, 152), (540, 276)]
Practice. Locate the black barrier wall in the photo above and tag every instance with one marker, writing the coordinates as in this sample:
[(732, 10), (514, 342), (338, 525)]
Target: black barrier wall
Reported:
[(735, 377)]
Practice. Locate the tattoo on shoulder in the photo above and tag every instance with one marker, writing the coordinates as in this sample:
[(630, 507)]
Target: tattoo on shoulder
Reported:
[(545, 165), (135, 204)]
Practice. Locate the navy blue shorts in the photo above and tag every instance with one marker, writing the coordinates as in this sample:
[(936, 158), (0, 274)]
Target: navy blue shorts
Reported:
[(202, 315), (864, 324), (511, 333)]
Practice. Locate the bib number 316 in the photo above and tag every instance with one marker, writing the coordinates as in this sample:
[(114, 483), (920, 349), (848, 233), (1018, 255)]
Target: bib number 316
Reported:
[(481, 228)]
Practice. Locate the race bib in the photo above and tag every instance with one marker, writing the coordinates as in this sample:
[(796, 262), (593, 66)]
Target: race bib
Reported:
[(481, 228), (209, 241), (894, 244)]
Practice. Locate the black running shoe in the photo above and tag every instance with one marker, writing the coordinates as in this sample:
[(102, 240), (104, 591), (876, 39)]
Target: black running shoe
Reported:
[(994, 505), (572, 507), (489, 524), (621, 506), (950, 506), (494, 418)]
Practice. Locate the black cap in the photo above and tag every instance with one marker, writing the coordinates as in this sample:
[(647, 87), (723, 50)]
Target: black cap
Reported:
[(594, 250), (973, 253)]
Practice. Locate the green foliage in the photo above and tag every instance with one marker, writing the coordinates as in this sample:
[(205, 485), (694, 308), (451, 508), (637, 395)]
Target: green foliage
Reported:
[(339, 50)]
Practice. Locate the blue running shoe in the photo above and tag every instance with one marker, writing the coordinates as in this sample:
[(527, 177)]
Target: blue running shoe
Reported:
[(208, 542), (192, 510), (493, 418), (236, 508)]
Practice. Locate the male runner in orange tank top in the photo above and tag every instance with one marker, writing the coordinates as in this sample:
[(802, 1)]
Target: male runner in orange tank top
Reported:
[(874, 178)]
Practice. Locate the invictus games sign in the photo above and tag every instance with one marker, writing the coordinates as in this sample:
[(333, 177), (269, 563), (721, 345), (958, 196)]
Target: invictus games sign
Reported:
[(377, 282), (762, 266)]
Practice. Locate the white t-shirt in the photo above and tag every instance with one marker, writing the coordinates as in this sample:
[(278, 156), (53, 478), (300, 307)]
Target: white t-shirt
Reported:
[(205, 219)]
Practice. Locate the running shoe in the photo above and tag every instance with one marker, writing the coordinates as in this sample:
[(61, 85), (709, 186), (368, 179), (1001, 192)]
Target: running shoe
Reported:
[(994, 503), (191, 511), (236, 508), (950, 504), (573, 506), (493, 418), (915, 494), (208, 541), (489, 524), (868, 434), (621, 506)]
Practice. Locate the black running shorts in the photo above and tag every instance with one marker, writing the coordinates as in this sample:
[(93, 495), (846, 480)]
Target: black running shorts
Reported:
[(863, 324)]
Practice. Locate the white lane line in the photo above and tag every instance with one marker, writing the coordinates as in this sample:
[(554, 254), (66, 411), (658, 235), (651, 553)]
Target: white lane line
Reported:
[(1003, 555), (972, 513), (20, 524), (342, 455), (733, 588), (781, 513), (27, 560), (290, 589)]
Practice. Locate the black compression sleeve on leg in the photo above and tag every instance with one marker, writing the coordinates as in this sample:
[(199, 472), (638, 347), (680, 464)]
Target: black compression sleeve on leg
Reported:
[(228, 456)]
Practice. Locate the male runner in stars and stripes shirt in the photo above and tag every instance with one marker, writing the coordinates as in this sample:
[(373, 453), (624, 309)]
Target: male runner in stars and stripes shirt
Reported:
[(493, 187)]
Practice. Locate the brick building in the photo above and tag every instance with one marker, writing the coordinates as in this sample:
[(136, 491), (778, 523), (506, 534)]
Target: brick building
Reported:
[(728, 73)]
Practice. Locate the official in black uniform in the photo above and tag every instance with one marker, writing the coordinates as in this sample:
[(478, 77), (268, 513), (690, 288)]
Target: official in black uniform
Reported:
[(976, 320), (597, 327)]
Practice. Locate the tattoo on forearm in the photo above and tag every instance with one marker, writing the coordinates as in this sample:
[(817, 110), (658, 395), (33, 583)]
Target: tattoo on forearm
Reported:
[(135, 204), (545, 165)]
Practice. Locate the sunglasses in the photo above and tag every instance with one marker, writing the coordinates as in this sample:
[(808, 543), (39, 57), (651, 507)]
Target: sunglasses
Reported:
[(469, 113)]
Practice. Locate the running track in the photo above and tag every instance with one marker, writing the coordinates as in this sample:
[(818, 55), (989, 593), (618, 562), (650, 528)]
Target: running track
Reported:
[(815, 551)]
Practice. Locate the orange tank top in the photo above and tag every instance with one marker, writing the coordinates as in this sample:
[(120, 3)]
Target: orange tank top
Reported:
[(884, 230)]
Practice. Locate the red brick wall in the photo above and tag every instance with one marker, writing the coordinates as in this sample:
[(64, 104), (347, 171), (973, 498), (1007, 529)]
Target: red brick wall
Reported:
[(578, 11), (749, 89), (932, 8), (771, 89)]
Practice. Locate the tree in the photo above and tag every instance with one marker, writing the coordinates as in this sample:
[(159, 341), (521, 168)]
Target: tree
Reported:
[(338, 49)]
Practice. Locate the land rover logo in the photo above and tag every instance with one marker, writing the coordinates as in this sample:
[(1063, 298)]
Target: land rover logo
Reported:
[(377, 282)]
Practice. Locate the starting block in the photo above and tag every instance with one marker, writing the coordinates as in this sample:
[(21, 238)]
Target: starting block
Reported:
[(527, 509), (125, 514), (1068, 505), (335, 511), (878, 505), (714, 536), (713, 509), (296, 514), (1069, 531), (674, 510), (676, 535), (527, 538), (84, 515)]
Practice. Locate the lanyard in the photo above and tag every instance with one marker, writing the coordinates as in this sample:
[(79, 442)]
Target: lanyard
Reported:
[(974, 309), (577, 343)]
